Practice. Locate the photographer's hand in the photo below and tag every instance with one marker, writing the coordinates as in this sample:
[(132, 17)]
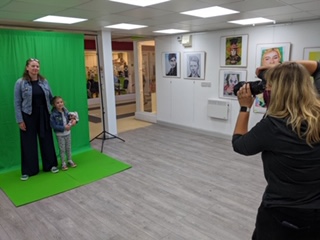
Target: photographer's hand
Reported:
[(245, 97)]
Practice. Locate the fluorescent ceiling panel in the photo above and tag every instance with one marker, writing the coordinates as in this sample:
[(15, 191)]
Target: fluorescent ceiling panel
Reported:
[(59, 19), (125, 26), (140, 3), (250, 21), (171, 31), (210, 12)]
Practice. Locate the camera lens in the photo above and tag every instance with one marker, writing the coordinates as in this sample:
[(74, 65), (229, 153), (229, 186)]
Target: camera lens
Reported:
[(256, 87)]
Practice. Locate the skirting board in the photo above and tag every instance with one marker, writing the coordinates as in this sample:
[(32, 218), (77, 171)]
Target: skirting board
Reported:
[(196, 130), (146, 116)]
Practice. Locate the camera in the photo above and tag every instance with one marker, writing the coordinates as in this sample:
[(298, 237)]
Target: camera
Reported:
[(256, 87)]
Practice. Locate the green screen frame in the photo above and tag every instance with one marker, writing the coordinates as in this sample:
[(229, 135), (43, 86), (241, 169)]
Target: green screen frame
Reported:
[(62, 62)]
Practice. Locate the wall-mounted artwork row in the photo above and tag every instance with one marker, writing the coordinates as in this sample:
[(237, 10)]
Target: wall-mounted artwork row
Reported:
[(171, 64), (194, 65), (228, 79), (234, 51)]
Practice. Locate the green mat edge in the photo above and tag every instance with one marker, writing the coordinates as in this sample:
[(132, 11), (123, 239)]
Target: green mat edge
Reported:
[(18, 203)]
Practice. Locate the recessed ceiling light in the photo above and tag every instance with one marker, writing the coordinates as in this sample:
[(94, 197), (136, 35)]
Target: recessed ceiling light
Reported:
[(126, 26), (171, 31), (141, 3), (250, 21), (210, 12), (59, 19)]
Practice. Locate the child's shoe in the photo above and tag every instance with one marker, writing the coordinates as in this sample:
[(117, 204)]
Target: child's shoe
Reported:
[(72, 164), (64, 167)]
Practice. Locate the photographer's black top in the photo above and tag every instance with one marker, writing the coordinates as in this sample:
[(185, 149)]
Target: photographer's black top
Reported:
[(291, 167)]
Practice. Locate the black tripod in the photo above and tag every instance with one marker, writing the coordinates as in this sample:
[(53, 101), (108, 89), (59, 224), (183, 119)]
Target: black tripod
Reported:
[(104, 132)]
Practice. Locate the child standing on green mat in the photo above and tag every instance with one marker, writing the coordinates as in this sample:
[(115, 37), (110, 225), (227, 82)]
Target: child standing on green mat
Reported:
[(61, 121)]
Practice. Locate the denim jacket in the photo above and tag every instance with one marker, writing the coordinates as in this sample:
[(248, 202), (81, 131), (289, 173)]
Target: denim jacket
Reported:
[(56, 120), (23, 97)]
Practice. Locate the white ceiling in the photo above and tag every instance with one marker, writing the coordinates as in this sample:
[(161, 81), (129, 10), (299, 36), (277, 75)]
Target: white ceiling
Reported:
[(21, 13)]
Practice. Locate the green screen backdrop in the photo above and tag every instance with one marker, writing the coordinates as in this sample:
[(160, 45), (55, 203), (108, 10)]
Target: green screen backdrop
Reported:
[(62, 63)]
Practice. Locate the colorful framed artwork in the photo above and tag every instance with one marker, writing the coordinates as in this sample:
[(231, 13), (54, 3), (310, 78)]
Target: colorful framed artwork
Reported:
[(311, 53), (234, 51), (194, 65), (268, 54), (228, 79), (259, 105), (171, 64)]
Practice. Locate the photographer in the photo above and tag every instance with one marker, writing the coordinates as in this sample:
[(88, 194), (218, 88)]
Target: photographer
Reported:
[(288, 138)]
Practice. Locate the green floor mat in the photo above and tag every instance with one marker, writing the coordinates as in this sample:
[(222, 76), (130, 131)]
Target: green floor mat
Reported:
[(91, 166)]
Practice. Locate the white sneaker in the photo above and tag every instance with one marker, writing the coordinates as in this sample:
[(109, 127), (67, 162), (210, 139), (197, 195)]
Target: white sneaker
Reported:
[(54, 170), (24, 177)]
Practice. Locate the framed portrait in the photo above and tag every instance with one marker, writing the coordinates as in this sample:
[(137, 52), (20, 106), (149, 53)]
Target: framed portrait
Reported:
[(272, 53), (228, 79), (194, 65), (311, 53), (234, 51), (259, 105), (171, 64)]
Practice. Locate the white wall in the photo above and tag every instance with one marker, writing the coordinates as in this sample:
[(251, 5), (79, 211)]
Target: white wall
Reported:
[(183, 102)]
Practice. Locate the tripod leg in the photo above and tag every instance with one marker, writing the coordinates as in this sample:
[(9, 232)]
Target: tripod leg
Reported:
[(114, 136), (102, 143)]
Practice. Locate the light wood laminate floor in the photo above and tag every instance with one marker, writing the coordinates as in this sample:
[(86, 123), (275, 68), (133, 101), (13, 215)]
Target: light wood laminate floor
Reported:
[(182, 186)]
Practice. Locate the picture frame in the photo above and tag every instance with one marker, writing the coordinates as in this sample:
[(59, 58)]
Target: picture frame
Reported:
[(234, 51), (194, 65), (272, 53), (171, 64), (259, 105), (311, 53), (228, 78)]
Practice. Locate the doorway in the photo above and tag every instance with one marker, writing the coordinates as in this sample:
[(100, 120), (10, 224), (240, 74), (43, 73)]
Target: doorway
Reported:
[(146, 73)]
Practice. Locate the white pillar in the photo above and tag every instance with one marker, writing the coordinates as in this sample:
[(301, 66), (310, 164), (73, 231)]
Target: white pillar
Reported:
[(137, 48), (106, 77)]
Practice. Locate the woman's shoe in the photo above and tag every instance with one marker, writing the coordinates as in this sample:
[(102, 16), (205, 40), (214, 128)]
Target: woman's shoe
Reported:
[(24, 177), (54, 170)]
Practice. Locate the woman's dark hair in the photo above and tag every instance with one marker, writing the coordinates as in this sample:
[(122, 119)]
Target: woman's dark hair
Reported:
[(26, 75), (172, 55)]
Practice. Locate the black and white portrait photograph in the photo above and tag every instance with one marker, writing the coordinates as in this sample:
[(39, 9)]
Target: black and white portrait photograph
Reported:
[(194, 65), (171, 64)]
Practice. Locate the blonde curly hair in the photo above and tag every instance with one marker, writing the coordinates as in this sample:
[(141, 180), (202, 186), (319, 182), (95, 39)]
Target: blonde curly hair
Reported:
[(294, 97)]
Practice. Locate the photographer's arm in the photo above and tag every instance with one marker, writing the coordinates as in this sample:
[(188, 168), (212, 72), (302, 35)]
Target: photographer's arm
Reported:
[(250, 142), (310, 65), (245, 99), (262, 68), (242, 123)]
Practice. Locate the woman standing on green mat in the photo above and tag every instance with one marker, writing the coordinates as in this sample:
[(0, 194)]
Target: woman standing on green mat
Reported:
[(32, 95)]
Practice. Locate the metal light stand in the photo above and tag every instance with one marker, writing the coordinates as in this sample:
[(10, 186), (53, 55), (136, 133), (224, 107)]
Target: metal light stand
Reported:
[(104, 132)]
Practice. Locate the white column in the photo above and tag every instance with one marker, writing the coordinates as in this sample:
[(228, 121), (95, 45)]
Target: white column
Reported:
[(137, 48), (106, 76)]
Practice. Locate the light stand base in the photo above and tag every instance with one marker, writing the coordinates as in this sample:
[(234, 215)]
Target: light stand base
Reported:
[(103, 133)]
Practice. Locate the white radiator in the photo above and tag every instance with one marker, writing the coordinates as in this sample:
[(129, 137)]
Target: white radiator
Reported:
[(218, 108)]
